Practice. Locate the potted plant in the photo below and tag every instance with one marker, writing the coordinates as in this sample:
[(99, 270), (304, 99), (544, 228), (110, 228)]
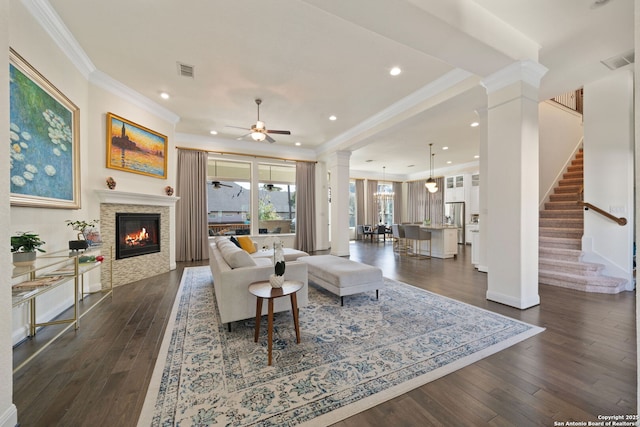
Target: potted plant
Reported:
[(24, 246), (81, 227)]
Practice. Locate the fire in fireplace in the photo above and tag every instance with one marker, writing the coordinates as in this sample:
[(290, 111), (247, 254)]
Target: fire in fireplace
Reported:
[(137, 234)]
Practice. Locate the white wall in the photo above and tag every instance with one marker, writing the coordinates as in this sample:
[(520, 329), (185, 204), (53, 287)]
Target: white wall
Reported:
[(36, 47), (560, 134), (608, 171)]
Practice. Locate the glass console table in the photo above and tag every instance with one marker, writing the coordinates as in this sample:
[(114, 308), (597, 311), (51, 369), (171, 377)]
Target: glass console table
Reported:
[(50, 271)]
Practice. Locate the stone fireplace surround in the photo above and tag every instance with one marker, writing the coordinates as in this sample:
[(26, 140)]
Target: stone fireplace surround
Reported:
[(129, 270)]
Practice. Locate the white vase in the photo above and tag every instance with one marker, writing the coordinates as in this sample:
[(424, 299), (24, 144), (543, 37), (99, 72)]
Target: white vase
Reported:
[(276, 281)]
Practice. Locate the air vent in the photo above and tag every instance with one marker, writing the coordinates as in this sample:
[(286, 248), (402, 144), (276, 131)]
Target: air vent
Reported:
[(618, 61), (185, 70)]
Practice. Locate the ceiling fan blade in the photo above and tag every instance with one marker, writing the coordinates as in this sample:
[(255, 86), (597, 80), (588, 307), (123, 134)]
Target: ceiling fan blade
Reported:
[(268, 138), (237, 127), (281, 132), (243, 136)]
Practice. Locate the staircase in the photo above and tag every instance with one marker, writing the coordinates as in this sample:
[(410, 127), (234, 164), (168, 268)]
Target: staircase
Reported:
[(561, 228)]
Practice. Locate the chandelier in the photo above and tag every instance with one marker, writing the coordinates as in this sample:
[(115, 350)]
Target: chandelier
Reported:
[(384, 195), (431, 184)]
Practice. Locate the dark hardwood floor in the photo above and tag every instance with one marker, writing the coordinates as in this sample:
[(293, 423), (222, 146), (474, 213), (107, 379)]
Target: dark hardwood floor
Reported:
[(582, 366)]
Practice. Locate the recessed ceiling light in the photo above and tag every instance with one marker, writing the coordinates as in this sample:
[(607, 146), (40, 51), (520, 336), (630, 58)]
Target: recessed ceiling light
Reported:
[(445, 148), (164, 95), (213, 132), (476, 157), (395, 71), (333, 118), (475, 124), (298, 144), (449, 162)]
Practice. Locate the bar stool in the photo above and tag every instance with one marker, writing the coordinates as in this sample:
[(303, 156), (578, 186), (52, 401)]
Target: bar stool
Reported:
[(399, 241), (417, 236)]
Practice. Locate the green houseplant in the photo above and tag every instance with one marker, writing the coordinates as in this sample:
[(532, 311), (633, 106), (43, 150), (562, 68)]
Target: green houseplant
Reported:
[(24, 246), (81, 227)]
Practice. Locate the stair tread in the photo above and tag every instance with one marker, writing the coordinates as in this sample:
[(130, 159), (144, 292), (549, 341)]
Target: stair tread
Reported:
[(604, 280)]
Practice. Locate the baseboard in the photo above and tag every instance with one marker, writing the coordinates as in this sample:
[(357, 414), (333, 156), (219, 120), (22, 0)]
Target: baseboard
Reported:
[(10, 417), (513, 301)]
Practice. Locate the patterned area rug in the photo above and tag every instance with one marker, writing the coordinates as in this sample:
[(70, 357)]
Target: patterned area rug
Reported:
[(350, 358)]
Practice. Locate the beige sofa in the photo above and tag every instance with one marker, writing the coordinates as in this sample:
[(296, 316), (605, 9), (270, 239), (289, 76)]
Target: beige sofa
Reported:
[(234, 269)]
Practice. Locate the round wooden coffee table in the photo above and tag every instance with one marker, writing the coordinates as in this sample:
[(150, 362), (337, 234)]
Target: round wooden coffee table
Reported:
[(263, 290)]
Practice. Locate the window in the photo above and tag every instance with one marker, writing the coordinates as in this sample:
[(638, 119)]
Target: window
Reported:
[(276, 198), (352, 204), (229, 197), (250, 197), (385, 203)]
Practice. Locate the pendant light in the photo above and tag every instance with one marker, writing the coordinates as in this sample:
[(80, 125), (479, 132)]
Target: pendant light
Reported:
[(384, 195), (431, 184)]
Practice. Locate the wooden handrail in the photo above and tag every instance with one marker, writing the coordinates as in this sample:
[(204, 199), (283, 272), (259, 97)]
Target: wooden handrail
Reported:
[(587, 206)]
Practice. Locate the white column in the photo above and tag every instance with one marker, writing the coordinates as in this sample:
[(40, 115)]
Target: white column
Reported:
[(512, 184), (339, 170), (8, 411), (484, 191)]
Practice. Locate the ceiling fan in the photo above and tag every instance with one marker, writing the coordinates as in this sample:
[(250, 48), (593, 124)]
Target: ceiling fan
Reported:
[(218, 184), (258, 131)]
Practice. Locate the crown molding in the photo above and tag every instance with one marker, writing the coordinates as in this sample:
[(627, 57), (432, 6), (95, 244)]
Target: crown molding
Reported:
[(410, 101), (527, 71), (112, 85), (50, 21)]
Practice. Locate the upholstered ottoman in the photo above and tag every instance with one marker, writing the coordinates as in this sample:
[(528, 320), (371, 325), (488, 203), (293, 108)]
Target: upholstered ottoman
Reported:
[(342, 276)]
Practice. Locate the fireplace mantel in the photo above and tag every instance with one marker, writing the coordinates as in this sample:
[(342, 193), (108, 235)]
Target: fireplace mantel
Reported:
[(125, 198)]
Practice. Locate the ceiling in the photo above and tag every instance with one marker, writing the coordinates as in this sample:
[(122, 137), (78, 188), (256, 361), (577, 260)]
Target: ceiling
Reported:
[(310, 59)]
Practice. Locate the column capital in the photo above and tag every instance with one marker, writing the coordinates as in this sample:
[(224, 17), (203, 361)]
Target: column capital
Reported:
[(527, 71)]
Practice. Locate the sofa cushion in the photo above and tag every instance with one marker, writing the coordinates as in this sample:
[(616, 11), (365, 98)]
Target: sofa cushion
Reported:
[(262, 261), (236, 257), (247, 244), (235, 241)]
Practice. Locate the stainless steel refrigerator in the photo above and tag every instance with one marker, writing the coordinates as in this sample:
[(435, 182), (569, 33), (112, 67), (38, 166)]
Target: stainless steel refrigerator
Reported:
[(454, 216)]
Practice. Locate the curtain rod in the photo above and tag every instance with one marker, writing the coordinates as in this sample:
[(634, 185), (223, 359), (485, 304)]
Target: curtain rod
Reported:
[(246, 155)]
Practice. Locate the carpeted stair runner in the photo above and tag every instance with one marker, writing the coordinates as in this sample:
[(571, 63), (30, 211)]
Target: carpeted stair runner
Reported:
[(561, 229)]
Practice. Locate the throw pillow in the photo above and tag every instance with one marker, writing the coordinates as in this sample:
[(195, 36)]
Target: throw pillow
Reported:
[(247, 244), (241, 259), (235, 241)]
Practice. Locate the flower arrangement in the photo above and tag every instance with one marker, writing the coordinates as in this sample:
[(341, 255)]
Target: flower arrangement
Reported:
[(276, 279)]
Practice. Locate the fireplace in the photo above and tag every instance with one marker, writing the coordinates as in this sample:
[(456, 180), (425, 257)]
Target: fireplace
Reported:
[(137, 234)]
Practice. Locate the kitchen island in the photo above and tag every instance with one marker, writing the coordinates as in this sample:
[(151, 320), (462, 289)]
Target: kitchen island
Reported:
[(444, 241)]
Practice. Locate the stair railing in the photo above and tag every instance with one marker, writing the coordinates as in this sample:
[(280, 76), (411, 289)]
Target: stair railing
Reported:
[(587, 206)]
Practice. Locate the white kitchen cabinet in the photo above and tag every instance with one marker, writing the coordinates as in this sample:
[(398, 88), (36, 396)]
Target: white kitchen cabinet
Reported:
[(454, 188)]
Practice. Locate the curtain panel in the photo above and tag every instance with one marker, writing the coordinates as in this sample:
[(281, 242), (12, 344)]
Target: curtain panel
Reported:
[(192, 230), (373, 215), (305, 206), (360, 218), (397, 202)]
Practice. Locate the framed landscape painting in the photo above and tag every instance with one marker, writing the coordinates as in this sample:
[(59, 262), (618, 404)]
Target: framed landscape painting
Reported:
[(134, 148), (43, 140)]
